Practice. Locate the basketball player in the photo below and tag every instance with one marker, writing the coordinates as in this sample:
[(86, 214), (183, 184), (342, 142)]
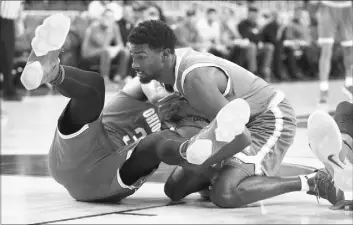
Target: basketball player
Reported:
[(103, 155), (331, 139), (335, 18), (208, 83)]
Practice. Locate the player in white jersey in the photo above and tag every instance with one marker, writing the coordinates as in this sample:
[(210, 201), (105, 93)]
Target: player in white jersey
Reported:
[(208, 84)]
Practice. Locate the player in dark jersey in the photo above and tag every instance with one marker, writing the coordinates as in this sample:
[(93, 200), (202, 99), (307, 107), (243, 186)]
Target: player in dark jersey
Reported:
[(209, 83), (331, 140), (100, 153)]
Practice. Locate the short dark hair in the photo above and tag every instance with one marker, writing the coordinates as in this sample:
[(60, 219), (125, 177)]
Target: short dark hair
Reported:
[(253, 9), (190, 13), (155, 33), (211, 10)]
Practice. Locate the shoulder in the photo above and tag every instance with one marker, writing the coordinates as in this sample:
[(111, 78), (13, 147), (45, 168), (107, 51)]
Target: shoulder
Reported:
[(201, 76)]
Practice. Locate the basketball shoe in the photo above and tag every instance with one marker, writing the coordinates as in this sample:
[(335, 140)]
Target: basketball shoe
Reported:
[(325, 141), (229, 123), (43, 63)]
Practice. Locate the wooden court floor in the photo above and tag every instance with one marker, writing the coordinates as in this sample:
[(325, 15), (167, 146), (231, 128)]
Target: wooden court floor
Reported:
[(30, 196)]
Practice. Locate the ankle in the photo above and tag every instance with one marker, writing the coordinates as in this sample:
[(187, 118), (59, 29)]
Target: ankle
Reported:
[(58, 75), (304, 181), (182, 149)]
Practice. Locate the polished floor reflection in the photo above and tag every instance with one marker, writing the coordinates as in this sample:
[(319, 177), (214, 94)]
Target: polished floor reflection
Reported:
[(30, 196)]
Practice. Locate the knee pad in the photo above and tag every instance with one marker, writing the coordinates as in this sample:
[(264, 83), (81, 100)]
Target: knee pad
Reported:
[(344, 117)]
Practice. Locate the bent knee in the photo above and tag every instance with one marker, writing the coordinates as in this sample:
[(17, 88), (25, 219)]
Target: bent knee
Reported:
[(172, 193), (225, 195), (226, 199), (344, 108)]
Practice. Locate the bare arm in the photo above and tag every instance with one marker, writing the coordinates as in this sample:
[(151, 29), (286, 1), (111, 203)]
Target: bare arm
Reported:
[(153, 91), (202, 92)]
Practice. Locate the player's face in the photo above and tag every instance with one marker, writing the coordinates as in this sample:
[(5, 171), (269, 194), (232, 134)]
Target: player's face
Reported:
[(146, 62)]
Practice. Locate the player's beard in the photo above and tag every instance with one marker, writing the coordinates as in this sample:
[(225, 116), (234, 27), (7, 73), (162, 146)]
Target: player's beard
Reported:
[(145, 80)]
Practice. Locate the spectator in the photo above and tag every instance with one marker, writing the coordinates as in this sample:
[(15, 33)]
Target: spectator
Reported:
[(249, 29), (210, 31), (96, 8), (71, 56), (138, 8), (297, 41), (9, 12), (103, 46), (240, 50), (186, 32), (273, 33), (153, 12), (117, 10), (126, 24)]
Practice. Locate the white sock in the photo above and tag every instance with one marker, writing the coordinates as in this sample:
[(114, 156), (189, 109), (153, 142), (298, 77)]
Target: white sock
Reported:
[(323, 85), (304, 181), (348, 81), (182, 150)]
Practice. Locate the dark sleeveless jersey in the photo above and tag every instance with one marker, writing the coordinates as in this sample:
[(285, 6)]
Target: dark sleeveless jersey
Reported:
[(126, 119)]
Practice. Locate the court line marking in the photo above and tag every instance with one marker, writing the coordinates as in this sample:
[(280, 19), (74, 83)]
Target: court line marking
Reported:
[(123, 212)]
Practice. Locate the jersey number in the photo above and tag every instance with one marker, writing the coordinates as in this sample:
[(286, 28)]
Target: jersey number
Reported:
[(139, 133)]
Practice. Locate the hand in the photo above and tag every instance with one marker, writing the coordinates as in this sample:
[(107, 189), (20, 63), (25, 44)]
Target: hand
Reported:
[(169, 106), (343, 205)]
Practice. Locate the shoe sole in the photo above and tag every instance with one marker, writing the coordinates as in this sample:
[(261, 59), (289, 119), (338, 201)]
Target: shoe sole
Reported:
[(324, 137), (49, 36), (326, 143), (231, 121)]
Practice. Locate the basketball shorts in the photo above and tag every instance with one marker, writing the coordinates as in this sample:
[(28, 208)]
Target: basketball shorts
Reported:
[(335, 22), (87, 163), (272, 133)]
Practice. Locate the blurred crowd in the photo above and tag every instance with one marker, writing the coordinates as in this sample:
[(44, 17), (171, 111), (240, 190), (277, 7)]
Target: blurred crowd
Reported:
[(277, 46)]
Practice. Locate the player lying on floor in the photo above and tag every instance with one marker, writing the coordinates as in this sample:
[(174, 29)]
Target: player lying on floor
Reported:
[(209, 83), (105, 153), (331, 140)]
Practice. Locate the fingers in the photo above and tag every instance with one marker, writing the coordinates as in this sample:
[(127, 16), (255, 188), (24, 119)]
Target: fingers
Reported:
[(169, 98), (343, 204)]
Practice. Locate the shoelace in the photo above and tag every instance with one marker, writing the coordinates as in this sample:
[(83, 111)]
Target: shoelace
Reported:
[(326, 186)]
